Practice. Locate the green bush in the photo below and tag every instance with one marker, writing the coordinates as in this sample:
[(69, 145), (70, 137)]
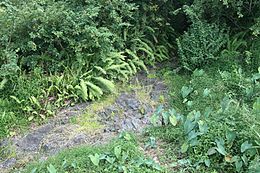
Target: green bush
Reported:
[(200, 45), (213, 123), (55, 33)]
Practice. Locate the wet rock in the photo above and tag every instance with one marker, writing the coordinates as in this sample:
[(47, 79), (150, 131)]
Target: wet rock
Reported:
[(139, 115), (79, 139), (8, 163), (5, 149), (137, 123), (127, 125), (31, 141), (159, 86), (59, 138), (133, 104), (4, 143)]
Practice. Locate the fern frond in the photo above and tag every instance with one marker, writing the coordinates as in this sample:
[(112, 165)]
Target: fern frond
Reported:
[(84, 90), (2, 83), (133, 66), (107, 84), (100, 69), (141, 64), (116, 67), (128, 67), (144, 45), (132, 54), (117, 55), (150, 53), (95, 88)]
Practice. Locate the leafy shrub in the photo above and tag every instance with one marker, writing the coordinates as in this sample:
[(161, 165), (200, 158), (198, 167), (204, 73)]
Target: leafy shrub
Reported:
[(254, 54), (216, 130), (200, 45), (56, 53), (237, 14), (52, 34)]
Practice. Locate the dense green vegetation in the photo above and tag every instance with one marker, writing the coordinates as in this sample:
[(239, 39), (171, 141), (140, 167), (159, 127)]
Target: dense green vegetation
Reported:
[(57, 53), (121, 155)]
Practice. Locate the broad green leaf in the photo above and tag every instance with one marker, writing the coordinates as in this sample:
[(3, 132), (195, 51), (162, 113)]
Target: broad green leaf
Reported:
[(16, 99), (230, 135), (30, 118), (124, 169), (212, 151), (127, 137), (166, 117), (184, 147), (206, 92), (207, 112), (207, 162), (203, 127), (185, 91), (244, 159), (110, 160), (192, 134), (95, 88), (190, 103), (117, 151), (198, 73), (159, 109), (238, 165), (173, 120), (172, 112), (245, 146), (35, 101), (74, 164), (100, 69), (189, 126), (34, 170), (256, 106), (225, 103), (51, 169), (194, 142), (84, 90), (2, 83), (154, 119), (64, 163), (156, 167), (124, 156), (94, 159), (220, 146)]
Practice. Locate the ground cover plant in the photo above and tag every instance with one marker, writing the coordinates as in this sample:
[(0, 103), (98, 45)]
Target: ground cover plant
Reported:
[(121, 155), (212, 128), (214, 117), (58, 53)]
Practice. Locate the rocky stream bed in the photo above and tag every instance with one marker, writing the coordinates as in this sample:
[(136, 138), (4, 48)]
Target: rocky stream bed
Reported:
[(87, 123)]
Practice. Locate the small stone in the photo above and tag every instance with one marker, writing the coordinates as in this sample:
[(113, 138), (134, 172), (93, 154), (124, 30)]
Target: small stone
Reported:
[(133, 104), (127, 125), (136, 123), (8, 163), (79, 139)]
